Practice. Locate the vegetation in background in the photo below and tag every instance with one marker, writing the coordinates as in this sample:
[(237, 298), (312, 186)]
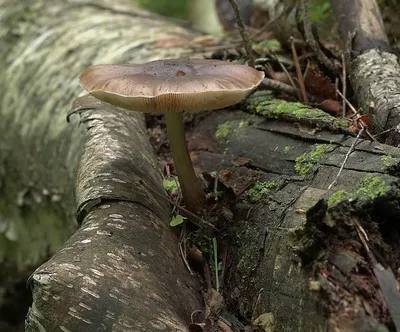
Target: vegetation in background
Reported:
[(320, 11), (172, 8)]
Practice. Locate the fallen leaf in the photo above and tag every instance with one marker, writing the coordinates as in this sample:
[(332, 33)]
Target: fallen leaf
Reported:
[(317, 84), (331, 106), (177, 220), (265, 322)]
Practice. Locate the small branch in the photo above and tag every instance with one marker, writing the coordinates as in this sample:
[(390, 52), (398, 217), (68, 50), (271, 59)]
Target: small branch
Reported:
[(384, 132), (199, 221), (347, 102), (182, 251), (281, 87), (322, 58), (299, 74), (344, 85), (243, 32), (285, 71), (357, 117), (347, 157)]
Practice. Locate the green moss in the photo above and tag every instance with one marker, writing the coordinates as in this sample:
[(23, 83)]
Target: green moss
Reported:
[(389, 161), (261, 189), (306, 162), (320, 12), (262, 104), (288, 148), (278, 108), (243, 123), (201, 240), (338, 196), (268, 44), (223, 129), (373, 187)]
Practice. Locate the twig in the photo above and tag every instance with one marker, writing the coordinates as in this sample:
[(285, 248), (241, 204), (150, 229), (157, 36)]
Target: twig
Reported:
[(243, 32), (216, 185), (224, 266), (286, 72), (356, 113), (370, 135), (279, 86), (299, 74), (383, 132), (201, 222), (352, 108), (322, 58), (347, 157), (257, 305), (181, 250), (344, 85), (217, 179), (336, 87), (215, 251)]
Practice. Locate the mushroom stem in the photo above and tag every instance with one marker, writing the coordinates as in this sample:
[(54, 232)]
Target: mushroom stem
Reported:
[(192, 192)]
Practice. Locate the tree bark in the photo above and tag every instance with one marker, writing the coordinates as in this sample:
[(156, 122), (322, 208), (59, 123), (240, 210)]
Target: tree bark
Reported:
[(291, 236), (123, 263), (121, 269), (372, 65)]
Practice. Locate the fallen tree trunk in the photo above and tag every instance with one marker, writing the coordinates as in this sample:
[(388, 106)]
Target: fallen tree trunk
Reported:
[(121, 269), (47, 46), (294, 254), (372, 65)]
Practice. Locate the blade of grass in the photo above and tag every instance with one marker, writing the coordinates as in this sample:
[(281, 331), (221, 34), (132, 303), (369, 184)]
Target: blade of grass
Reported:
[(215, 247)]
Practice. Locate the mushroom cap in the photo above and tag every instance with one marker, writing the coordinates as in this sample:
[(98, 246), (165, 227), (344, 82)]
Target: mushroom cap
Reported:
[(171, 85)]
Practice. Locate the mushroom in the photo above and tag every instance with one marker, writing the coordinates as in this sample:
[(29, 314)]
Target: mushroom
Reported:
[(172, 87)]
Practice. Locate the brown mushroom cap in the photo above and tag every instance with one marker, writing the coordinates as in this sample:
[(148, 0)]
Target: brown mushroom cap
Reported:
[(171, 85)]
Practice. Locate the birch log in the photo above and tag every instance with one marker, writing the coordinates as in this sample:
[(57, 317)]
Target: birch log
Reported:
[(372, 66), (125, 244)]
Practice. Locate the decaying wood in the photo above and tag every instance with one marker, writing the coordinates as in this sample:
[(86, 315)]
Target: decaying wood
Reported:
[(272, 255), (120, 271), (92, 283), (373, 67)]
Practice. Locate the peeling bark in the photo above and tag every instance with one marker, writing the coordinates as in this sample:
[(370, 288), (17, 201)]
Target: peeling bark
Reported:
[(121, 270), (122, 263), (373, 67)]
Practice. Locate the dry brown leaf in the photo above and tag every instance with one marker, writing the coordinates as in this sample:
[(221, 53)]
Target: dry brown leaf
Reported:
[(317, 84)]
